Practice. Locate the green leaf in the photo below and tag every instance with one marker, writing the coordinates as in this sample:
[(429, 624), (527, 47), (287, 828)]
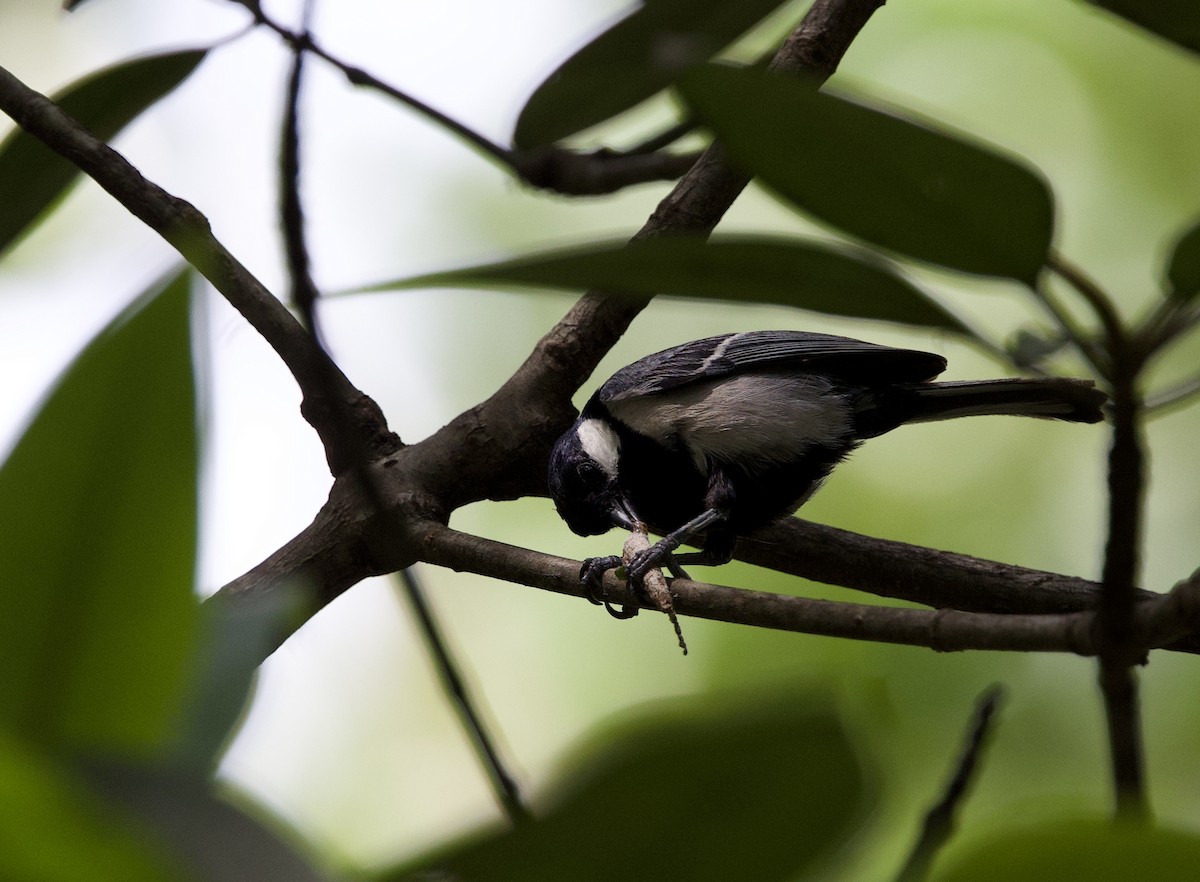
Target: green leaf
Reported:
[(807, 275), (237, 636), (56, 830), (742, 791), (1077, 851), (1176, 20), (905, 186), (1183, 270), (33, 177), (97, 541), (211, 836), (631, 61)]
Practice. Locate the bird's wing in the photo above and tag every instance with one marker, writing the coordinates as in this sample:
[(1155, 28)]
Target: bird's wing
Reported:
[(839, 357)]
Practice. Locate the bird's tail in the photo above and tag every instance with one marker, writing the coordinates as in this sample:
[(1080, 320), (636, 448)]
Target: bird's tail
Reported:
[(1056, 398)]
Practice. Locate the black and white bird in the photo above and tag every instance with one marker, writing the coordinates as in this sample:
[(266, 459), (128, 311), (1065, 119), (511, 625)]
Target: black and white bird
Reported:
[(724, 435)]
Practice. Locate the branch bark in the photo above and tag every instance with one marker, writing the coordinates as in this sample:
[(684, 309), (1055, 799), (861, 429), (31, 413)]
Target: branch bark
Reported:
[(1157, 623), (188, 231)]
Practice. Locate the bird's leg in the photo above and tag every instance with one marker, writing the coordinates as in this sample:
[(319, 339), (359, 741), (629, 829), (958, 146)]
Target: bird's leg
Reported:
[(661, 552), (717, 549)]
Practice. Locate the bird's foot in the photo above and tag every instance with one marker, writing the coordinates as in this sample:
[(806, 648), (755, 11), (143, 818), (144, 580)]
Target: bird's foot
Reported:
[(592, 574), (657, 556)]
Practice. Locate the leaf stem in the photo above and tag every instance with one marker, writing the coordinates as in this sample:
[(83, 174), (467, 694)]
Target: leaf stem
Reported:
[(1093, 294), (940, 820)]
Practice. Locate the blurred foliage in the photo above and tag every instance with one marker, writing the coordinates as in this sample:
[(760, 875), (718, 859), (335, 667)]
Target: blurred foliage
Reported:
[(794, 757), (637, 57), (805, 275), (1071, 850), (692, 790), (33, 177), (911, 188), (98, 516), (107, 707)]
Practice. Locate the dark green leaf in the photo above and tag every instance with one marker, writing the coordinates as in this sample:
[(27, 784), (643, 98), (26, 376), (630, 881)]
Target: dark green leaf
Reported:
[(97, 541), (212, 837), (921, 192), (1077, 851), (807, 275), (1183, 270), (33, 177), (1176, 20), (640, 55), (237, 637), (689, 792), (55, 830)]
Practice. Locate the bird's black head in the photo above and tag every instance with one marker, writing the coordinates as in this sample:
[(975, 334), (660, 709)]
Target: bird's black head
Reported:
[(583, 479)]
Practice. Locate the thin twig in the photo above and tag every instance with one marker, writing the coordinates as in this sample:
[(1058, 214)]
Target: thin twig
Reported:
[(1093, 294), (663, 139), (504, 786), (1168, 319), (598, 172), (654, 585), (1173, 397), (1119, 647), (304, 290), (940, 820), (359, 77), (305, 294), (551, 168), (1078, 337)]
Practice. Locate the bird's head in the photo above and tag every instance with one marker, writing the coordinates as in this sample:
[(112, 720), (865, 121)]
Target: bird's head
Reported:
[(583, 479)]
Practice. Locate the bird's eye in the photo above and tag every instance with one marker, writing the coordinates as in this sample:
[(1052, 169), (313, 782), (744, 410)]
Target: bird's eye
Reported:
[(591, 475)]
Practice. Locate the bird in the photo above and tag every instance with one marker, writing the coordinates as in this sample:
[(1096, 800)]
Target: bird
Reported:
[(719, 437)]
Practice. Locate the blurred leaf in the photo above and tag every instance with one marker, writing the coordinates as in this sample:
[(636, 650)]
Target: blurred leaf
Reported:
[(688, 792), (55, 830), (33, 177), (237, 637), (1183, 270), (1077, 851), (1029, 349), (638, 56), (98, 541), (213, 838), (921, 192), (1176, 20), (806, 275)]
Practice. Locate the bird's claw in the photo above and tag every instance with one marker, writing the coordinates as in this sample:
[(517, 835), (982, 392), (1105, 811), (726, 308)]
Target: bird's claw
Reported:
[(654, 557), (591, 575), (657, 556)]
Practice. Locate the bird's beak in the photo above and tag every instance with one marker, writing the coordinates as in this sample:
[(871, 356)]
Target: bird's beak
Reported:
[(622, 516)]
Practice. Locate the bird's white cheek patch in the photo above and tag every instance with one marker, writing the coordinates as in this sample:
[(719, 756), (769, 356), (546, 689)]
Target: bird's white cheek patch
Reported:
[(601, 443)]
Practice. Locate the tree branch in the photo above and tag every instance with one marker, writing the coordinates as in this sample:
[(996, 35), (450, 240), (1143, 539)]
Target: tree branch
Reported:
[(188, 231), (1157, 623), (1120, 648)]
